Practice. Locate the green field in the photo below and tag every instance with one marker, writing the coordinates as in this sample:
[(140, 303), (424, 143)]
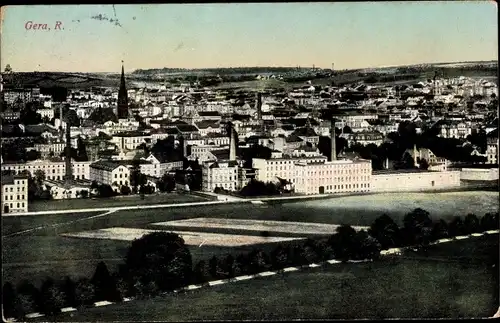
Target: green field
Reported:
[(170, 198), (454, 280), (34, 255)]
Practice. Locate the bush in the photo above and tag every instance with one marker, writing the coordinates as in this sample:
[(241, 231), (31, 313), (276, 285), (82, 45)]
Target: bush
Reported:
[(125, 190), (52, 297), (84, 292), (29, 298), (161, 258), (104, 284)]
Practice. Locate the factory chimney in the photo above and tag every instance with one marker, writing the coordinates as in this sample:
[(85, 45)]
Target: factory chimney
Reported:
[(184, 147), (415, 154), (69, 172), (232, 143), (332, 134), (61, 133), (258, 106)]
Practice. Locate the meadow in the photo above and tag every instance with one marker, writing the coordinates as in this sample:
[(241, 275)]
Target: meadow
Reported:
[(44, 252), (453, 280)]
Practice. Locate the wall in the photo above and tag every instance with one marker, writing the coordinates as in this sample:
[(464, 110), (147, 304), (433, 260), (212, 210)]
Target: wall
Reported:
[(476, 174), (395, 182)]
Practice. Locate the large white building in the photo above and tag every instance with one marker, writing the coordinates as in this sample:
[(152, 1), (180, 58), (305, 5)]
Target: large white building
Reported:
[(106, 172), (492, 147), (52, 170), (338, 176), (222, 174), (413, 180), (14, 194)]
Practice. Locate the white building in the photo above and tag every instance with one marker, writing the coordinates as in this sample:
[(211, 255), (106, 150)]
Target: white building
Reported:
[(339, 176), (14, 194), (52, 170), (131, 140), (106, 172), (223, 174), (269, 170), (49, 113), (492, 147), (413, 180)]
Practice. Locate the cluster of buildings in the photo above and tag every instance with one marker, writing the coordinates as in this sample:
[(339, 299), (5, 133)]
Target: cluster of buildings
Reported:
[(215, 127)]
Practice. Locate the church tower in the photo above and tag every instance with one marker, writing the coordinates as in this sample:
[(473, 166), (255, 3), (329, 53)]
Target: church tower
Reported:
[(122, 110)]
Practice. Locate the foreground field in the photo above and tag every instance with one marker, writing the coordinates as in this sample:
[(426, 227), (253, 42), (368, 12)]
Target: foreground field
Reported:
[(36, 254), (454, 280), (170, 198)]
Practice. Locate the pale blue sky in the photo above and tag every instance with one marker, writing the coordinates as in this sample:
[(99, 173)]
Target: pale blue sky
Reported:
[(351, 35)]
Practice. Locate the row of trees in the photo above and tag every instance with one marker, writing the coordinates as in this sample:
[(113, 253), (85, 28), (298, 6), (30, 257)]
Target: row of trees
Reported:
[(161, 262)]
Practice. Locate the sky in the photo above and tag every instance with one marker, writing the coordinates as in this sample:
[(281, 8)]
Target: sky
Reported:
[(349, 35)]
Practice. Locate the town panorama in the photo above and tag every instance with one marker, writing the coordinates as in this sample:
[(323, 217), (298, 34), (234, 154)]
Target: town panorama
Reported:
[(261, 193)]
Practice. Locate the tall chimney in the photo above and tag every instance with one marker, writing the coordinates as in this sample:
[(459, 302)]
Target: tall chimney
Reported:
[(415, 154), (69, 172), (332, 135), (232, 143), (61, 133), (258, 106), (184, 147)]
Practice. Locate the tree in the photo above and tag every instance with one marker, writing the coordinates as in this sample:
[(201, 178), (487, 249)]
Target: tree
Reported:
[(367, 246), (8, 69), (386, 231), (489, 221), (440, 230), (344, 242), (84, 292), (68, 288), (11, 302), (456, 227), (53, 298), (39, 176), (471, 223), (259, 261), (201, 272), (29, 297), (125, 190), (161, 258), (423, 164), (414, 223), (166, 183), (104, 284), (84, 194)]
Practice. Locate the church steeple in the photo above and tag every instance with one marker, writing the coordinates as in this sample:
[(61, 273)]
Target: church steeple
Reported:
[(122, 110)]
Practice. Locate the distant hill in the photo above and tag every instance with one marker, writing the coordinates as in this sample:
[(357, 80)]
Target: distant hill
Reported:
[(57, 79)]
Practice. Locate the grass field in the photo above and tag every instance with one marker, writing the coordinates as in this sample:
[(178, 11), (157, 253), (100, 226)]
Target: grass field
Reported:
[(170, 198), (34, 255), (449, 287)]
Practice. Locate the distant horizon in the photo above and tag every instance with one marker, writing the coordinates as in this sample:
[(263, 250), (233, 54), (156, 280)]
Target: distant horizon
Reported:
[(350, 35), (236, 67)]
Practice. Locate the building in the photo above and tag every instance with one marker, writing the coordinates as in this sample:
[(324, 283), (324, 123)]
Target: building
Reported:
[(220, 174), (338, 176), (51, 170), (492, 147), (130, 140), (109, 173), (14, 194), (413, 180), (269, 170)]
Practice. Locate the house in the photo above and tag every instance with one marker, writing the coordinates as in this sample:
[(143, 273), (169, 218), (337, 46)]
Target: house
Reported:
[(14, 194), (492, 151), (220, 174), (109, 172)]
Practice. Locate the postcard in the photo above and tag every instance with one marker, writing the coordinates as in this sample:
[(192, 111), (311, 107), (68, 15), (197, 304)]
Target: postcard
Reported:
[(249, 161)]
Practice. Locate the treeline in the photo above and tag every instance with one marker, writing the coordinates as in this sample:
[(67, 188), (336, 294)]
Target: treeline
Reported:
[(160, 262), (228, 70)]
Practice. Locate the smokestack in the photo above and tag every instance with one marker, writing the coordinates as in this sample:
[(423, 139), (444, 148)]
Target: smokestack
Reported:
[(232, 144), (69, 172), (258, 106), (415, 154), (184, 147), (332, 134), (61, 133)]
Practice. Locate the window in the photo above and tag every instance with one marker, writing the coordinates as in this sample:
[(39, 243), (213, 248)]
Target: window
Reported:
[(18, 197), (11, 189), (17, 204), (22, 204)]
